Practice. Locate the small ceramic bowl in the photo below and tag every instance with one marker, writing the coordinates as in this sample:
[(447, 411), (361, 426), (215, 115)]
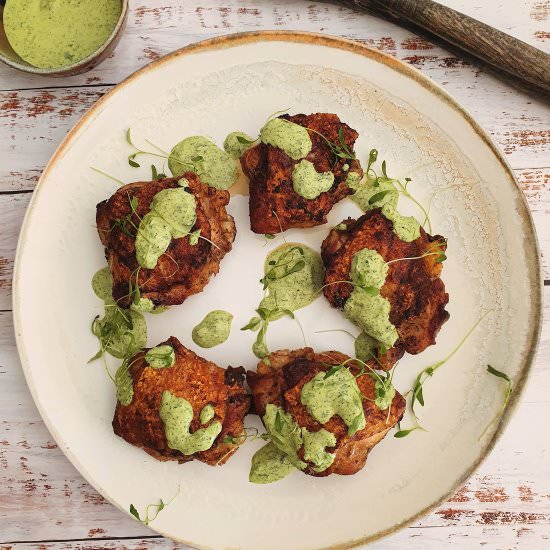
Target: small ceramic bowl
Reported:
[(8, 56)]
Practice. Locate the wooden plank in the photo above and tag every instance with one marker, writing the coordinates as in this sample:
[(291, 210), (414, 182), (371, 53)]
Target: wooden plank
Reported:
[(505, 500)]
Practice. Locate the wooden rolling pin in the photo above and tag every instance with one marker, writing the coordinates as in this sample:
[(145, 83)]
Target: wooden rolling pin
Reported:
[(526, 64)]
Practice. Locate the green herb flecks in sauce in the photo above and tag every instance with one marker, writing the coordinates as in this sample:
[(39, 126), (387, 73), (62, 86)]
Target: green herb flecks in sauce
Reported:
[(336, 394), (199, 155), (293, 276), (207, 413), (161, 357), (366, 348), (285, 433), (172, 215), (236, 143), (309, 183), (291, 138), (121, 332), (315, 444), (55, 33), (406, 228), (269, 464), (124, 383), (177, 415), (366, 307), (213, 330)]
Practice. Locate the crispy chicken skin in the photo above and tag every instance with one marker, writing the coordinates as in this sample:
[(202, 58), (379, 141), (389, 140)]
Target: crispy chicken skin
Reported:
[(198, 381), (281, 381), (274, 205), (183, 269), (413, 287)]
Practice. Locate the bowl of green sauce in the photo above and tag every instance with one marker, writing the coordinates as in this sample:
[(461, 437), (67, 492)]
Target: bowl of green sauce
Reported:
[(59, 37)]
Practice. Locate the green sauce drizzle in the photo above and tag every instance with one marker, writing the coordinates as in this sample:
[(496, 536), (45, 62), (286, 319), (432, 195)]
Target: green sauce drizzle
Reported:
[(121, 332), (309, 183), (298, 289), (338, 394), (177, 415), (366, 307), (213, 330), (172, 215), (236, 143), (365, 347), (406, 228), (291, 138), (55, 33), (269, 464), (199, 155), (124, 384), (207, 414), (314, 448), (161, 357)]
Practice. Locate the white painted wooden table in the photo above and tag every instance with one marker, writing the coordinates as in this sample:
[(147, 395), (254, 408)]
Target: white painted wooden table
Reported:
[(44, 503)]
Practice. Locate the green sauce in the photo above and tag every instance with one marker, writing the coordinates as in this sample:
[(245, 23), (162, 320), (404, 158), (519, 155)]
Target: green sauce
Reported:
[(337, 394), (236, 143), (124, 384), (207, 414), (269, 464), (213, 330), (370, 311), (309, 183), (172, 215), (291, 138), (177, 415), (298, 289), (121, 332), (314, 448), (161, 357), (365, 347), (406, 228), (55, 33), (285, 433), (199, 155)]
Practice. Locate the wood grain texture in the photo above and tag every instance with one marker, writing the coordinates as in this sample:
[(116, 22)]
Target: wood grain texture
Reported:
[(505, 505)]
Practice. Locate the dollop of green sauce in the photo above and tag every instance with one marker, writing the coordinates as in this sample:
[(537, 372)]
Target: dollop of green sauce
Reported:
[(298, 289), (55, 33), (365, 347), (161, 357), (407, 228), (279, 457), (207, 413), (213, 330), (236, 143), (309, 183), (177, 415), (291, 138), (172, 215), (337, 394), (121, 332), (203, 157), (269, 464), (315, 444), (368, 269), (146, 305), (124, 384), (370, 312)]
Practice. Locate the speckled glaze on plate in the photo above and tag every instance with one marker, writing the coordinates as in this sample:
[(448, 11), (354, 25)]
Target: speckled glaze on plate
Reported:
[(231, 83)]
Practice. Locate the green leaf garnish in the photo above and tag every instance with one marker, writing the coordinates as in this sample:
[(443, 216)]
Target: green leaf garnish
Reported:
[(507, 394), (253, 324), (379, 196), (157, 508)]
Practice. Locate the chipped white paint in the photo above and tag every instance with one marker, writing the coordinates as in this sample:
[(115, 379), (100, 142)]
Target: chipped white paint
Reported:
[(506, 504)]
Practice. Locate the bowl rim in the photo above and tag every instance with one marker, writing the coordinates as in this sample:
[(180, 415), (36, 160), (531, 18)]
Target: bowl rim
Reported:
[(65, 69), (331, 41)]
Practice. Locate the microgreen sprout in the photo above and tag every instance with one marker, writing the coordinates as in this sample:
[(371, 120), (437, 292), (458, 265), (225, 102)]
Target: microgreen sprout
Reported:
[(340, 149), (156, 510), (119, 181), (286, 265), (508, 392)]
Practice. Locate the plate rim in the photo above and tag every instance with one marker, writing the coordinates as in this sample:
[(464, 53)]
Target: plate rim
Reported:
[(319, 39)]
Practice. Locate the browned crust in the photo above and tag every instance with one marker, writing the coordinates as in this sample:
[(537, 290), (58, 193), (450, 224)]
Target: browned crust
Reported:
[(280, 382), (274, 205), (183, 270), (198, 381), (414, 288)]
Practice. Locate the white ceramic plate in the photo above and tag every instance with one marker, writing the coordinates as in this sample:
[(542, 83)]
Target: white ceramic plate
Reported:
[(235, 83)]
